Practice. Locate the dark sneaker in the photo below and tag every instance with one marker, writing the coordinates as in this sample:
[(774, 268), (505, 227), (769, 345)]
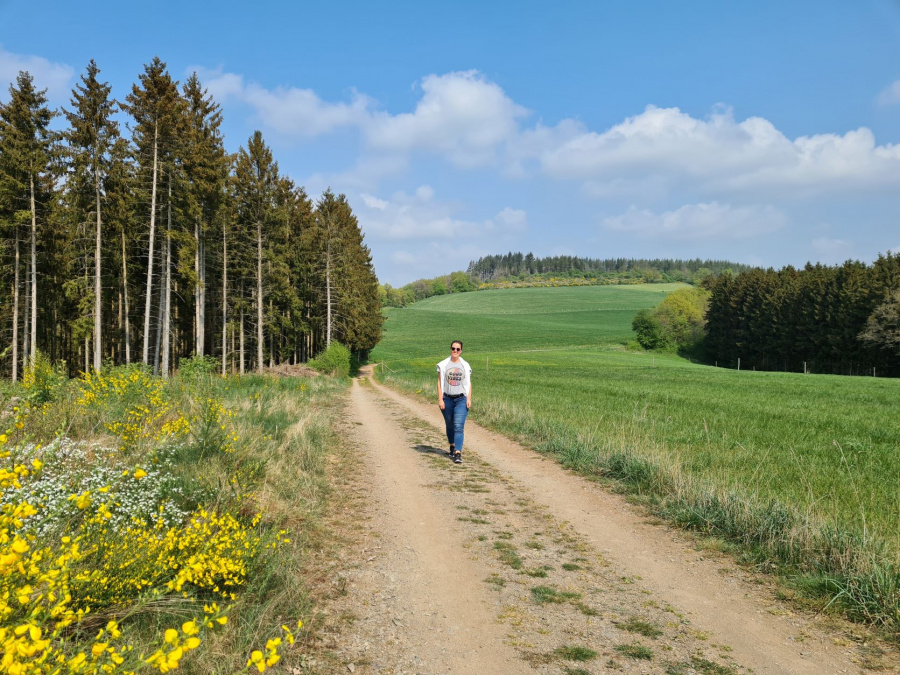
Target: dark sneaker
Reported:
[(451, 451), (457, 458)]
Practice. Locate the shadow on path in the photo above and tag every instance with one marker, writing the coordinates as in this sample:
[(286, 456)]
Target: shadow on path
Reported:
[(430, 450)]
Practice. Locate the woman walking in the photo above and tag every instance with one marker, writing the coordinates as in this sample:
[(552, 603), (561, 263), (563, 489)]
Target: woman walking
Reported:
[(454, 390)]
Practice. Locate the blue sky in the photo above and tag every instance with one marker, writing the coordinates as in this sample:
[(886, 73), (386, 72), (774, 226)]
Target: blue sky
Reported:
[(766, 133)]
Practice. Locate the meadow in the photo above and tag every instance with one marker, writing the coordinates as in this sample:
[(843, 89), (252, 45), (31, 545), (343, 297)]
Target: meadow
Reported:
[(799, 471), (149, 525)]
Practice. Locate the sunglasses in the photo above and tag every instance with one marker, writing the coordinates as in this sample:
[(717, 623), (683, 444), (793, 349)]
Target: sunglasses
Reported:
[(455, 349)]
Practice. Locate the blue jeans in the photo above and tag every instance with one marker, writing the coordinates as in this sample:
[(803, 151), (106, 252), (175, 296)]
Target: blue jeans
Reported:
[(455, 412)]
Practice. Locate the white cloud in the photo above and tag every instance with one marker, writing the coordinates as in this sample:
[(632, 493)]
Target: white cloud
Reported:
[(470, 121), (664, 147), (288, 110), (510, 220), (890, 95), (699, 222), (420, 216), (460, 115), (56, 78), (373, 202)]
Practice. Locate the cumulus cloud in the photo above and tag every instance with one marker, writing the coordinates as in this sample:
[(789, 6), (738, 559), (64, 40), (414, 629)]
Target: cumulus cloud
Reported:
[(694, 222), (890, 95), (470, 121), (460, 115), (421, 216), (292, 111), (56, 78), (668, 148)]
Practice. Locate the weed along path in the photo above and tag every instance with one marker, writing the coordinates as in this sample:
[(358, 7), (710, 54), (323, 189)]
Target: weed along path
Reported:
[(510, 564)]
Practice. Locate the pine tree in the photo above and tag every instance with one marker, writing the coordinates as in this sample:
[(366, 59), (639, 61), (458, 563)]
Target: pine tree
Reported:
[(25, 156), (255, 180), (205, 167), (154, 104), (91, 135)]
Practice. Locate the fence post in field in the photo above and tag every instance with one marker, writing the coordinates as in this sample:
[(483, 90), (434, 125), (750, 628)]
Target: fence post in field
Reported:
[(487, 364), (739, 363)]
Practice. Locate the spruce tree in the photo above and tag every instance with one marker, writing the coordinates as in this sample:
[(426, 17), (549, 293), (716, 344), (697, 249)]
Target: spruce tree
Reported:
[(90, 137), (256, 176), (25, 160), (154, 105), (205, 167)]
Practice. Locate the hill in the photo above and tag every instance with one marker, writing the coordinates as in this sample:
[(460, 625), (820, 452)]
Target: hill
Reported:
[(790, 466)]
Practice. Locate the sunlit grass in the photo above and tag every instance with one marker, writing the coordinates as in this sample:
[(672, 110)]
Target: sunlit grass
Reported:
[(802, 469)]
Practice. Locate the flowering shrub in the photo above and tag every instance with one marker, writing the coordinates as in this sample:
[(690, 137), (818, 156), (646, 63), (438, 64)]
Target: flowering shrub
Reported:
[(90, 536), (134, 405)]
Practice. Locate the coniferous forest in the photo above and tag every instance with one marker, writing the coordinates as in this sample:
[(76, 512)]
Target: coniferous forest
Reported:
[(128, 234), (825, 319)]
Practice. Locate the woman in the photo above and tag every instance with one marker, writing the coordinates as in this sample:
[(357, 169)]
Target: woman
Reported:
[(454, 390)]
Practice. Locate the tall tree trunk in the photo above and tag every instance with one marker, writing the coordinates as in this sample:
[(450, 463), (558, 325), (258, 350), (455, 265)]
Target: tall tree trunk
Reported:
[(200, 291), (26, 319), (224, 300), (259, 298), (150, 260), (328, 295), (98, 355), (125, 293), (15, 328), (167, 294), (159, 317), (198, 328), (119, 309), (202, 294), (241, 345), (33, 350)]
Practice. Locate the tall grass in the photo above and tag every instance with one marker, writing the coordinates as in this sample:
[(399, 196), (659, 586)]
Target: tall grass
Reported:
[(180, 494), (799, 471)]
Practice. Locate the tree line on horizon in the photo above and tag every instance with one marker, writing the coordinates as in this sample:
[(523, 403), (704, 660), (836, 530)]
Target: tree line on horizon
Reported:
[(514, 270), (157, 244), (842, 319), (648, 270)]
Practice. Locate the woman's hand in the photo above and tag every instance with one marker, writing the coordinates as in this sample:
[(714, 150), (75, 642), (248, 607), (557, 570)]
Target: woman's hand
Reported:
[(468, 403), (441, 403)]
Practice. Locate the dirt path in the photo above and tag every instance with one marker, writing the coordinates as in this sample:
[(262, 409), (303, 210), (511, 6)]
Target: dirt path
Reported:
[(510, 564)]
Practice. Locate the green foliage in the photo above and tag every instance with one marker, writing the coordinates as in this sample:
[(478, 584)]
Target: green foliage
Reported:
[(883, 325), (42, 380), (676, 324), (814, 319), (335, 360), (515, 266), (232, 232), (198, 367)]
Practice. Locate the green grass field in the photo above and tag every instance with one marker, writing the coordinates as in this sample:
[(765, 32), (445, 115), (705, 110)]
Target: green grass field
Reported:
[(791, 464)]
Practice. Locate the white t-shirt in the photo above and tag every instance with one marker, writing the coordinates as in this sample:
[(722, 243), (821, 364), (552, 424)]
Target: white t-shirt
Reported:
[(455, 377)]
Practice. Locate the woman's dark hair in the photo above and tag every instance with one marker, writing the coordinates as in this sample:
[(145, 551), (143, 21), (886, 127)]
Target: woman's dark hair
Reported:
[(456, 342)]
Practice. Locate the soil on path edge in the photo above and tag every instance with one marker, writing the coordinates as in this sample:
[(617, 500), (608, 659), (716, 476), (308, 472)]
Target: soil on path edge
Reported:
[(510, 564)]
